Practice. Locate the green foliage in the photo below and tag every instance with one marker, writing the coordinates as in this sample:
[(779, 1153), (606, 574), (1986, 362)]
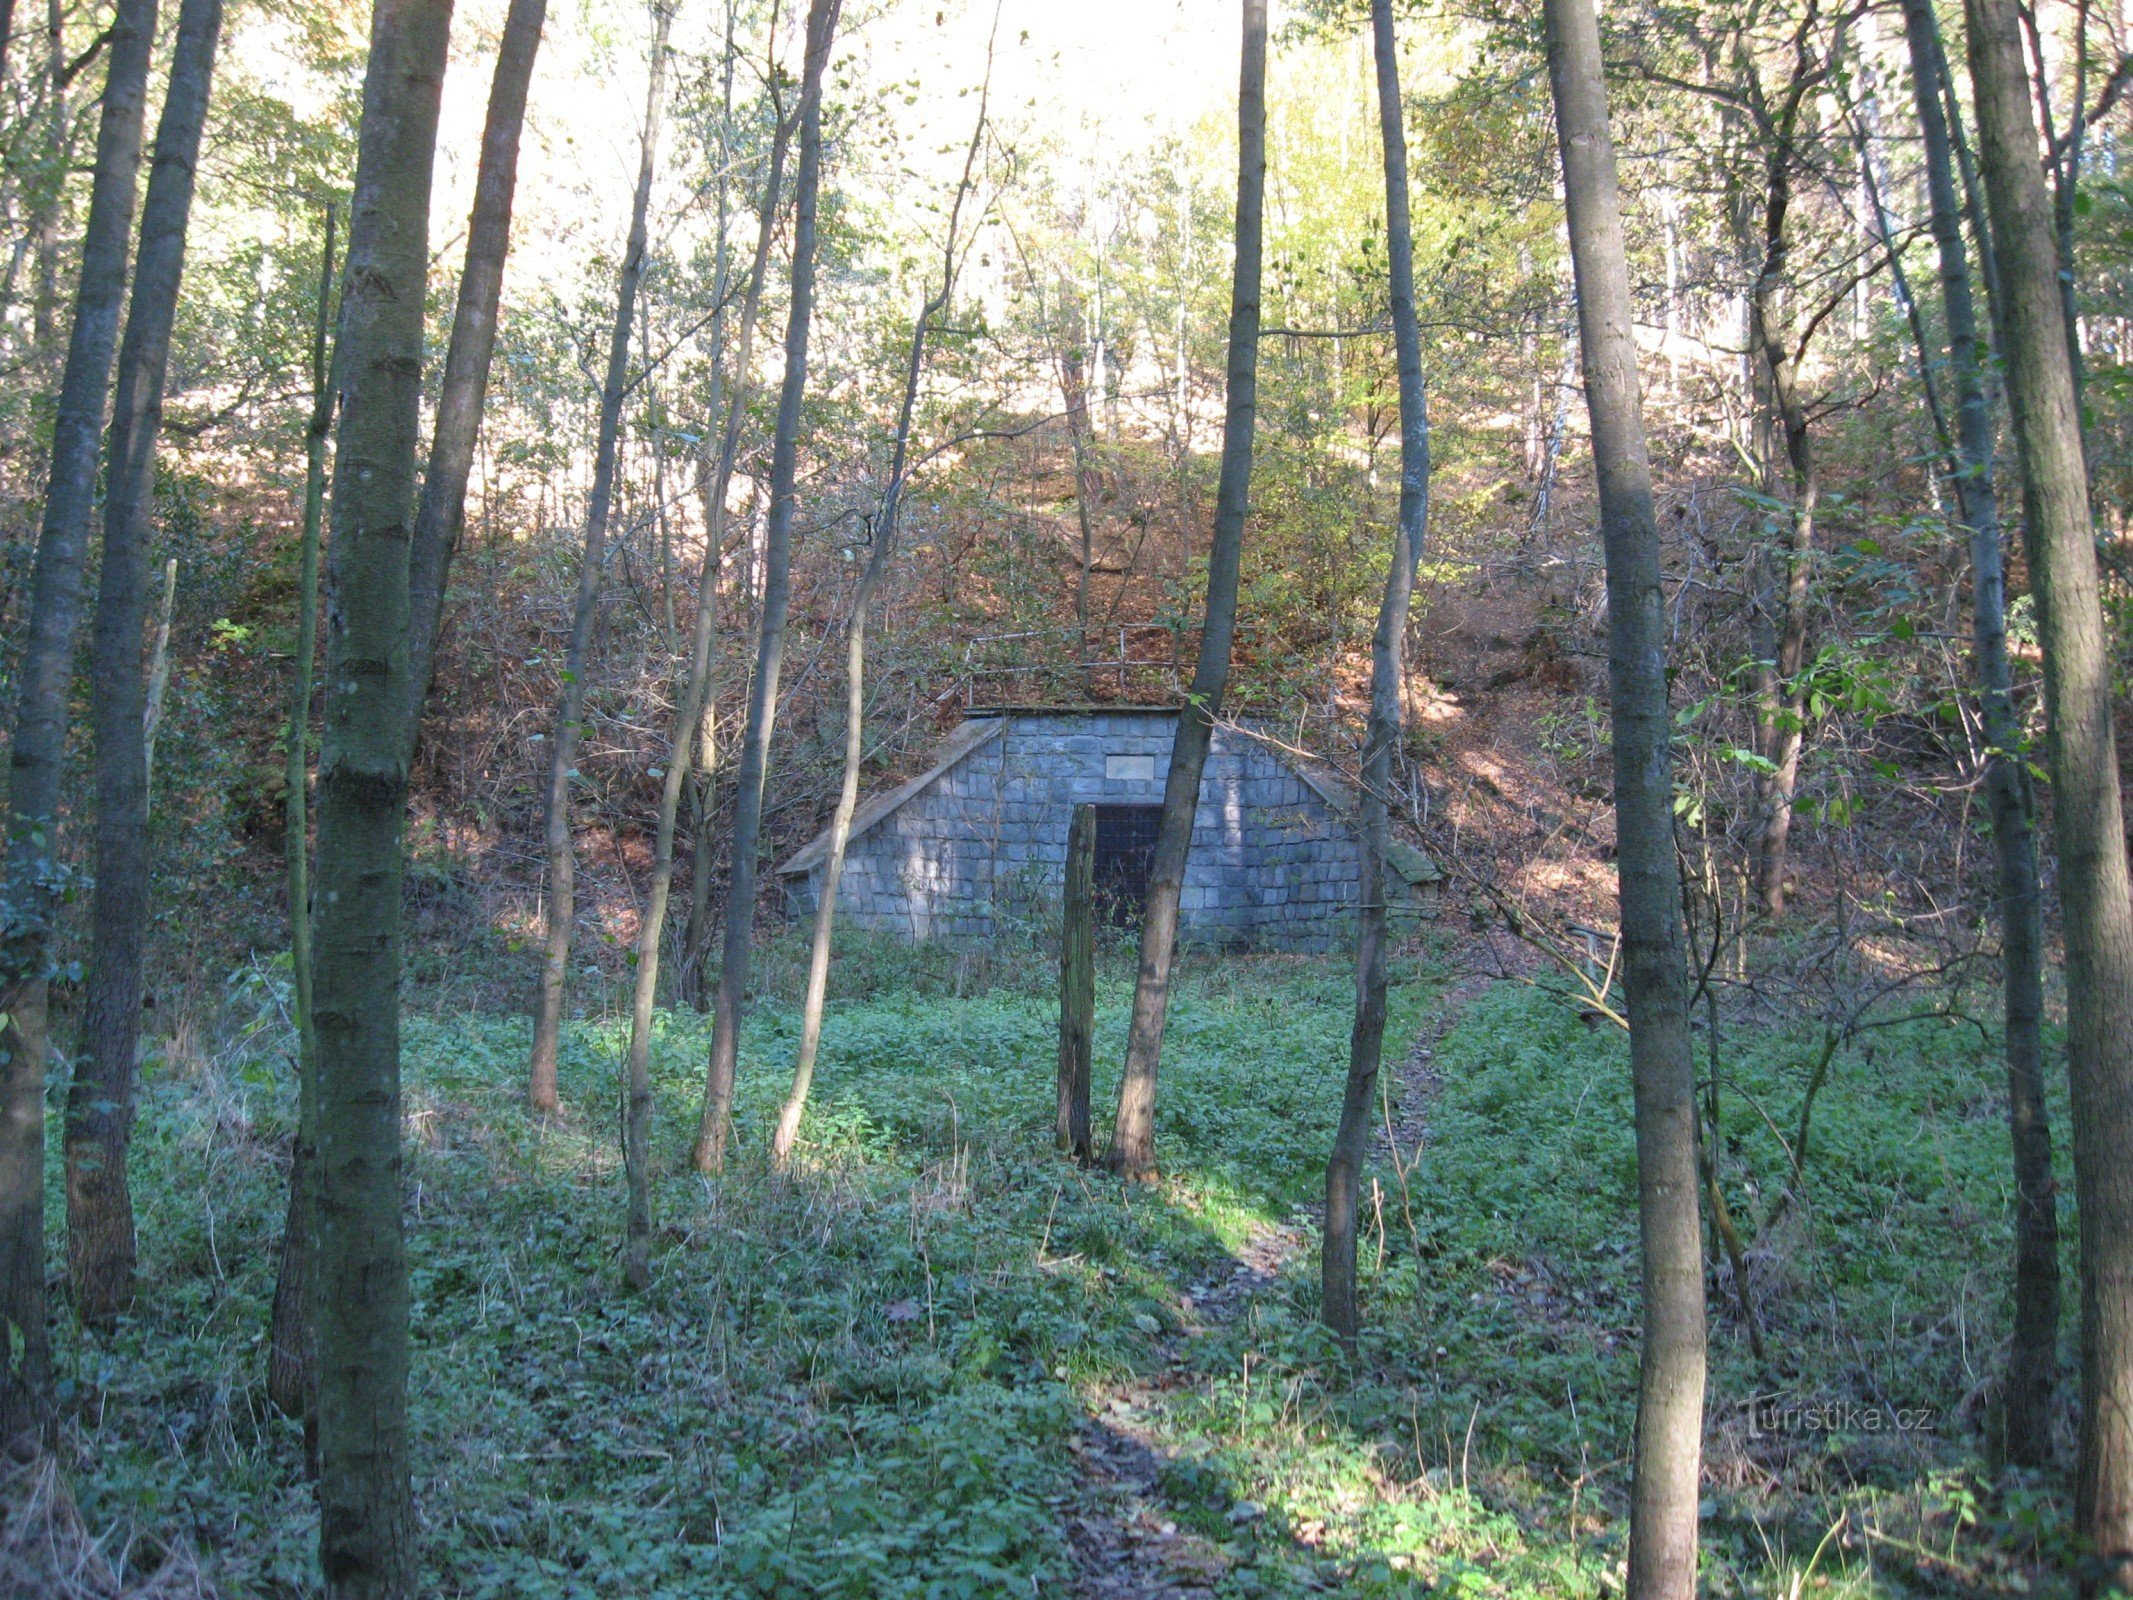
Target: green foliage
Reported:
[(865, 1380)]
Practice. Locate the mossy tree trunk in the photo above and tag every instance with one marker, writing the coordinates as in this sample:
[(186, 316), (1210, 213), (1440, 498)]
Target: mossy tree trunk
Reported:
[(35, 876), (367, 1528), (1670, 1387), (100, 1099)]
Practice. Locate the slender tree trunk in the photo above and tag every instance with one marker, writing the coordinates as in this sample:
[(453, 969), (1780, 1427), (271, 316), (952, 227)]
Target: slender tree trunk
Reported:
[(367, 1527), (855, 663), (2086, 816), (570, 703), (717, 1121), (1552, 452), (1388, 665), (292, 1368), (682, 738), (1074, 387), (1781, 587), (1667, 1462), (36, 878), (158, 676), (691, 982), (99, 1125), (1782, 704), (2033, 1356), (51, 201), (2064, 161), (655, 424), (1132, 1151), (441, 514)]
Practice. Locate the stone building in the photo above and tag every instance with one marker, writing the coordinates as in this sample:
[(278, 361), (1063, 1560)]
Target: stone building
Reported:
[(979, 838)]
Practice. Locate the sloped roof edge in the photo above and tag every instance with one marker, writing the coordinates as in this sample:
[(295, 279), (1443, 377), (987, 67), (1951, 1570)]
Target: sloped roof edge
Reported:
[(1413, 865), (969, 735)]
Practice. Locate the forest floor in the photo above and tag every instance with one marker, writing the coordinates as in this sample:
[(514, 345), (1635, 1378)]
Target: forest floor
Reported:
[(938, 1361)]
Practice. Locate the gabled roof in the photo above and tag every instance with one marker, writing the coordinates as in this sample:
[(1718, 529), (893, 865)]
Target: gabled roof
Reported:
[(969, 735), (974, 732)]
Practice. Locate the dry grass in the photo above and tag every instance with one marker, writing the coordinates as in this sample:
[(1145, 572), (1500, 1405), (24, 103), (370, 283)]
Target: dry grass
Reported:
[(46, 1552)]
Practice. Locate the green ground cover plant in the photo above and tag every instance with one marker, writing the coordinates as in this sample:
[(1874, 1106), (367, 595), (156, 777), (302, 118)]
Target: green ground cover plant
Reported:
[(875, 1377)]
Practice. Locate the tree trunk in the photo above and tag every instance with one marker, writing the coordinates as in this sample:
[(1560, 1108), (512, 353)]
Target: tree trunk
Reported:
[(716, 1123), (1077, 984), (2087, 821), (690, 981), (1667, 1460), (36, 878), (1781, 704), (2033, 1357), (292, 1369), (442, 511), (1074, 388), (99, 1124), (655, 424), (855, 664), (50, 204), (1388, 650), (1132, 1151), (570, 703), (682, 739), (158, 677), (1780, 576), (366, 1507)]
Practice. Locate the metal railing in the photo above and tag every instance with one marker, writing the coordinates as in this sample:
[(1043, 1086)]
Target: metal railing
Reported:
[(1128, 677)]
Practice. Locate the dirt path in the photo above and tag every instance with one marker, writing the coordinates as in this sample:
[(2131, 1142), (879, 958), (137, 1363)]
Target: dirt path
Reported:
[(1126, 1544)]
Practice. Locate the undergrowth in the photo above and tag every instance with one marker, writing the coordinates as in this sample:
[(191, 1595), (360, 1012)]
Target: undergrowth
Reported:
[(870, 1378)]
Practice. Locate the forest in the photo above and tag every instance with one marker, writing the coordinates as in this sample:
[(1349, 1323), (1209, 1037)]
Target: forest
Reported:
[(966, 798)]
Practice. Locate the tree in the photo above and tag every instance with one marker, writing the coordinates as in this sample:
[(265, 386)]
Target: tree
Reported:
[(1133, 1129), (1668, 1452), (2033, 1355), (2087, 819), (1073, 366), (1388, 665), (1782, 627), (683, 733), (100, 1242), (291, 1380), (366, 1504), (570, 700), (36, 878), (439, 518), (292, 1373), (855, 660), (1132, 1151), (716, 1123)]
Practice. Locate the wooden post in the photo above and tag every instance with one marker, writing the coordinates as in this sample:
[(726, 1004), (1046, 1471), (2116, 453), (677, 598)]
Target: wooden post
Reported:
[(1077, 985)]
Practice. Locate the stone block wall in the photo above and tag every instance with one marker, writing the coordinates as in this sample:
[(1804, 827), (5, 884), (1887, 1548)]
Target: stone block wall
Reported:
[(1272, 865)]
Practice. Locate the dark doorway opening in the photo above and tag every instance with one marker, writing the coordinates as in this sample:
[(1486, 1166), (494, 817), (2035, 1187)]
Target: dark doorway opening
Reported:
[(1125, 850)]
